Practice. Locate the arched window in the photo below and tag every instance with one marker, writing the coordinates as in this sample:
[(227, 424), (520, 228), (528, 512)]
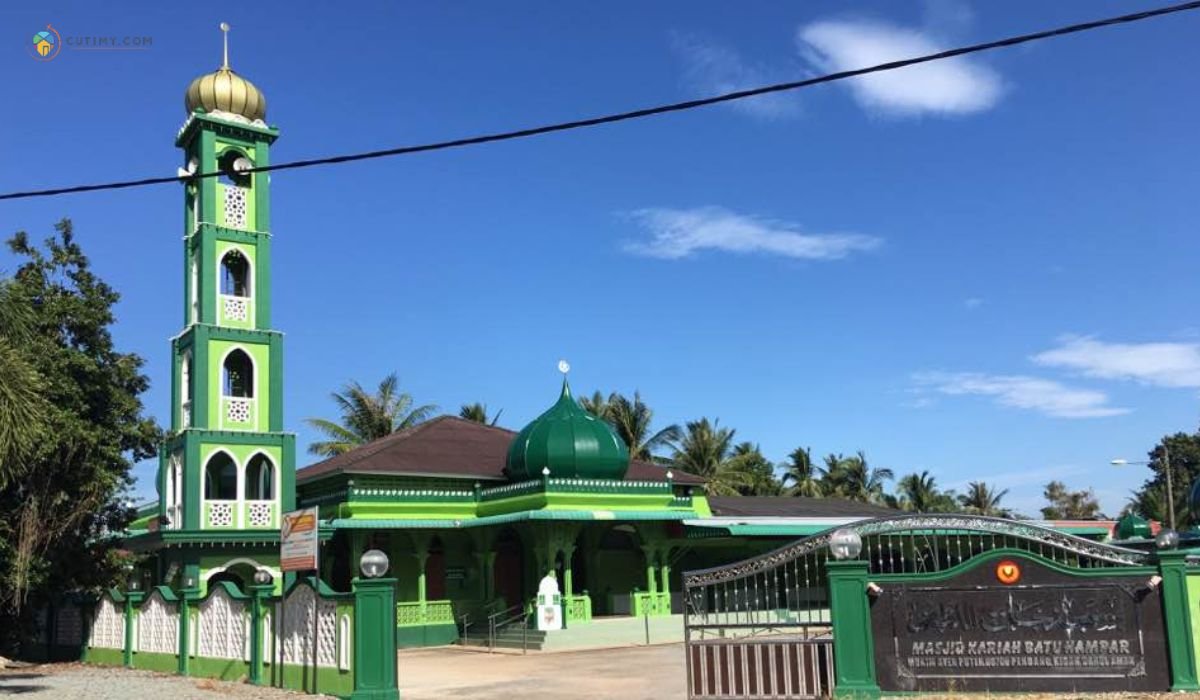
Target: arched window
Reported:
[(220, 478), (235, 274), (239, 375), (260, 479)]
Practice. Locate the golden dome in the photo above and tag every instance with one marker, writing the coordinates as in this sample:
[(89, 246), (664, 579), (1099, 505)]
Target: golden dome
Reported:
[(226, 91)]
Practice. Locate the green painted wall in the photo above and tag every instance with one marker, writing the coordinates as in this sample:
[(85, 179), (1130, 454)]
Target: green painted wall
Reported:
[(1193, 591), (426, 635)]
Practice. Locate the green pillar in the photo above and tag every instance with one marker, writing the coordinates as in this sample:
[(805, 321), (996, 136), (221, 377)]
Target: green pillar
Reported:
[(186, 596), (651, 586), (664, 570), (132, 600), (853, 644), (375, 639), (258, 594), (422, 558), (1172, 566), (489, 582)]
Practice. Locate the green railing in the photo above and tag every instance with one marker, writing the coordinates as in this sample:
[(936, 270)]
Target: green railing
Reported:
[(429, 612), (651, 604), (578, 608)]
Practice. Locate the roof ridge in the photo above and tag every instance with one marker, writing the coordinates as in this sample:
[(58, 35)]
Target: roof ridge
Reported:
[(356, 454)]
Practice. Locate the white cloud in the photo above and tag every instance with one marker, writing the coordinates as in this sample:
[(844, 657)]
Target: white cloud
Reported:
[(711, 69), (1018, 391), (1175, 365), (949, 86), (680, 233)]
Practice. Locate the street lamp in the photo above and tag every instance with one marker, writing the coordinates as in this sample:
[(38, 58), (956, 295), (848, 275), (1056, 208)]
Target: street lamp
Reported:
[(1167, 470), (374, 563)]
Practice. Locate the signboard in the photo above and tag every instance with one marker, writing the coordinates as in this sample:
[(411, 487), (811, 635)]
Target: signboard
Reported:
[(1017, 625), (298, 541)]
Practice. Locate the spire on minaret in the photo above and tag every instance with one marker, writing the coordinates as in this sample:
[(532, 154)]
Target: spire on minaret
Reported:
[(225, 40)]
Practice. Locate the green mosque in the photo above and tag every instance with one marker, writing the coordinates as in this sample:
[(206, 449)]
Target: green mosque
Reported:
[(471, 516)]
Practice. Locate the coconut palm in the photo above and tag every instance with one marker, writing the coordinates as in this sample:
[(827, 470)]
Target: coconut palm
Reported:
[(982, 499), (478, 412), (802, 473), (631, 420), (918, 492), (755, 472), (367, 416), (858, 481), (596, 405), (706, 449)]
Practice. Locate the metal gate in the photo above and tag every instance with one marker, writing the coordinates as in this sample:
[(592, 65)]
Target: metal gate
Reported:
[(761, 628)]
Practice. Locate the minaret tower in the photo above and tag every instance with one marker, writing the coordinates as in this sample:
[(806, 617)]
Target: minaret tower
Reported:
[(227, 470)]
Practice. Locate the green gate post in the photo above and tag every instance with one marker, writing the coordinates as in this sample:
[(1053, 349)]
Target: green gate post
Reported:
[(853, 644), (375, 639), (132, 598), (1172, 566), (258, 593), (186, 596)]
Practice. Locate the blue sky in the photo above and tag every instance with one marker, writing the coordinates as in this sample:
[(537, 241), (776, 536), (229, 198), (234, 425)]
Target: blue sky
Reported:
[(982, 268)]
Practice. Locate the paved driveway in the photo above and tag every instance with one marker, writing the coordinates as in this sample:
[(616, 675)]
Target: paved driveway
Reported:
[(628, 673)]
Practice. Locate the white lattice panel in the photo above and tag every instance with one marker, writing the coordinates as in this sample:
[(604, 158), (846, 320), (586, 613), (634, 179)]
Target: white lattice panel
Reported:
[(158, 626), (237, 410), (223, 625), (235, 207), (260, 514), (296, 639), (108, 627), (69, 625), (237, 308), (220, 514)]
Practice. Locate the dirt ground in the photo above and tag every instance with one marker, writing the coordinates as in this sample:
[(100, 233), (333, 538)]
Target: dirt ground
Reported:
[(629, 673)]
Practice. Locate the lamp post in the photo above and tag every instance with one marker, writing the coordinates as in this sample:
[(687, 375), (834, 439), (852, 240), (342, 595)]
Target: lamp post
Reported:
[(1166, 470)]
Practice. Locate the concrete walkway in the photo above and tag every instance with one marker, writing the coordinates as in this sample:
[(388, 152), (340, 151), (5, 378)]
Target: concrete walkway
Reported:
[(629, 673)]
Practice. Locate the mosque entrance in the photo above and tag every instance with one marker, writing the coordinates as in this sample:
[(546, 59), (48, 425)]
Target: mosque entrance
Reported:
[(509, 569)]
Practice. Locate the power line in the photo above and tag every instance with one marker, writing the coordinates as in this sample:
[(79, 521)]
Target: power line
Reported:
[(637, 113)]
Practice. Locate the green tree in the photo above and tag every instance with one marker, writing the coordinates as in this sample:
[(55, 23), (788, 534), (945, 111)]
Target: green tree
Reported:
[(855, 479), (632, 419), (1150, 501), (55, 517), (596, 405), (478, 412), (757, 473), (1064, 504), (919, 493), (23, 409), (706, 449), (982, 499), (802, 473), (367, 416)]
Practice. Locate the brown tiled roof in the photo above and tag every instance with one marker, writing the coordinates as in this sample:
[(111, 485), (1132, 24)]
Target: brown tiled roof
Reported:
[(448, 446), (794, 507)]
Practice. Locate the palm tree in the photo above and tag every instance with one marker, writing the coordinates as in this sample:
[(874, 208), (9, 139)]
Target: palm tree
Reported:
[(704, 450), (478, 412), (800, 470), (756, 473), (596, 405), (631, 420), (367, 416), (860, 482), (919, 492), (832, 475), (982, 499)]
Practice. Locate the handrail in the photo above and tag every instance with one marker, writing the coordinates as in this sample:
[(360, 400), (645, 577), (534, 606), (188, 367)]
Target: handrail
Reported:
[(464, 622), (509, 615)]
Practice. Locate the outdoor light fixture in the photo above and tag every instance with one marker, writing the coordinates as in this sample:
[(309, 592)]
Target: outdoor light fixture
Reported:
[(1154, 582), (874, 589), (545, 471), (262, 577), (1167, 539), (845, 544), (374, 563)]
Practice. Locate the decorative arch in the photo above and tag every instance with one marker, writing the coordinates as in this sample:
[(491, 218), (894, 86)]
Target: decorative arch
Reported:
[(238, 372), (220, 477), (235, 273), (260, 477), (242, 561)]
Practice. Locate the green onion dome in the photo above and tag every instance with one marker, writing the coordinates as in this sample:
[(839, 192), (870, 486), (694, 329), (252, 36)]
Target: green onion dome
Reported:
[(569, 441)]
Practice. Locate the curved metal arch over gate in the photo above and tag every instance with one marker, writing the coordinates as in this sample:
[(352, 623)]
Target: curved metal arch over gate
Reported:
[(762, 627)]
